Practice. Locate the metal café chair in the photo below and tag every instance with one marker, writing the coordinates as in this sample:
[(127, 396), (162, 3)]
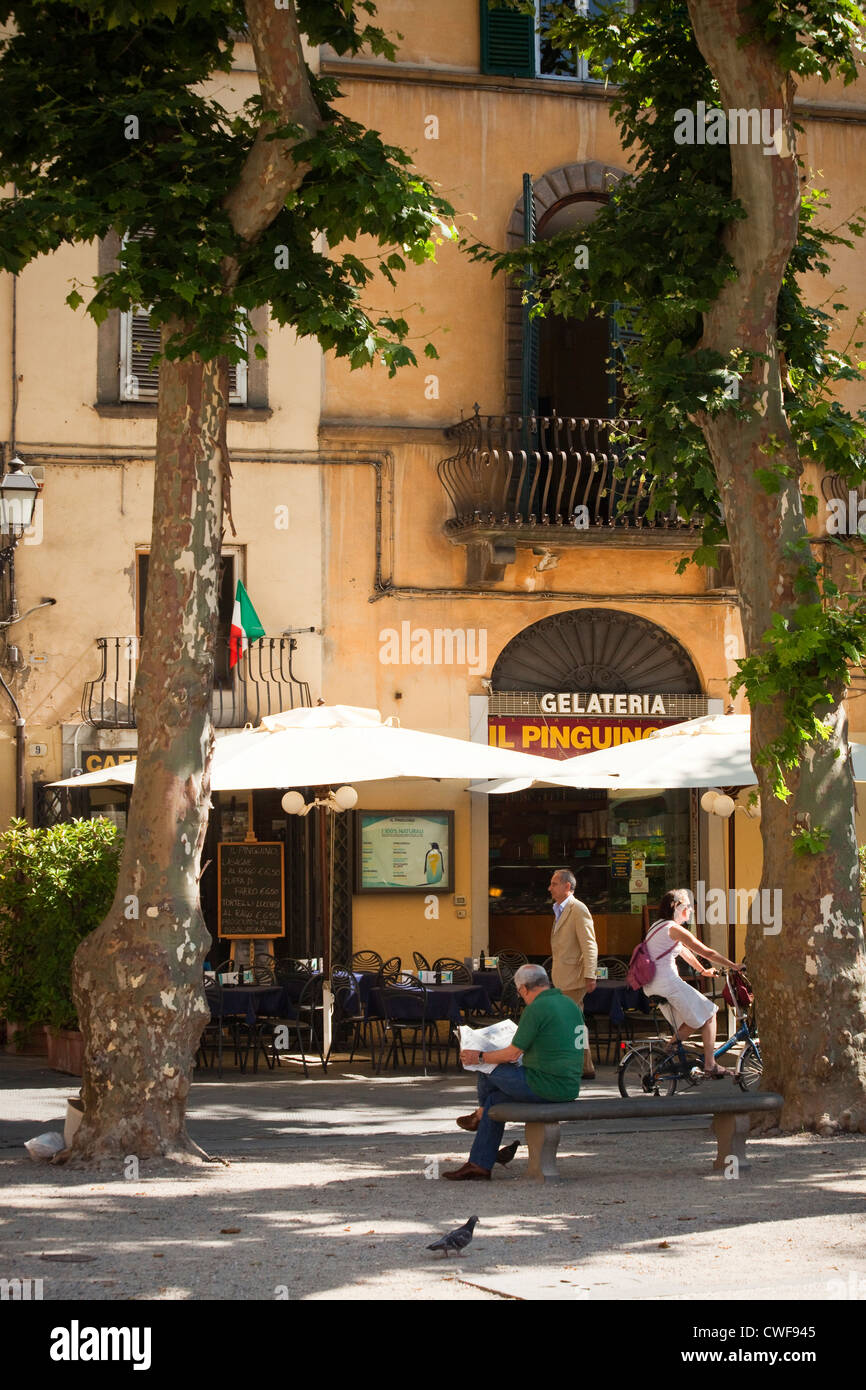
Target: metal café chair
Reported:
[(274, 1031), (404, 1010), (421, 962), (367, 962), (264, 970), (350, 1014), (213, 1034), (459, 974), (509, 1002), (388, 971), (512, 959), (311, 1010), (616, 968)]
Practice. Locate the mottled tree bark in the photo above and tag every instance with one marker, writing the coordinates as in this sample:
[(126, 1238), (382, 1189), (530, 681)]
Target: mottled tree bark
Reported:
[(138, 978), (810, 978)]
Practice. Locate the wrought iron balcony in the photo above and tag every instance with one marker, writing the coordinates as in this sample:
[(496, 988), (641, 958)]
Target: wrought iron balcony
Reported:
[(261, 683), (547, 480)]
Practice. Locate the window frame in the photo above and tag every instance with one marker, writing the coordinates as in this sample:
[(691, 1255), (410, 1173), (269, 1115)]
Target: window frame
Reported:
[(126, 374), (582, 73), (111, 358)]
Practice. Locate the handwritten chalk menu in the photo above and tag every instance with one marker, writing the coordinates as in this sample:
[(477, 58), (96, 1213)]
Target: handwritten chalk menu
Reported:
[(251, 890), (408, 852)]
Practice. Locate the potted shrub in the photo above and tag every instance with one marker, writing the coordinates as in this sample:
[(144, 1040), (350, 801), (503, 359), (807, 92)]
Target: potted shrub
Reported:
[(56, 885)]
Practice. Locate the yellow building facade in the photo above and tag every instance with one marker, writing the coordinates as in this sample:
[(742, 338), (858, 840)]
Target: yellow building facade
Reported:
[(449, 539)]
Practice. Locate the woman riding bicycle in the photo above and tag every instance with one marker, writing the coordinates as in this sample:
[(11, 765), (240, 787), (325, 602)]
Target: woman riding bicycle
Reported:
[(686, 1009)]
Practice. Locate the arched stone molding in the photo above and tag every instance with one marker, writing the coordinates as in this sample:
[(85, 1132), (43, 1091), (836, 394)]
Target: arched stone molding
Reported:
[(586, 177), (595, 650)]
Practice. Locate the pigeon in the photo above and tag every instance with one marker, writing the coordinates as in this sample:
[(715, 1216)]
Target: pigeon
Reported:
[(505, 1155), (456, 1240)]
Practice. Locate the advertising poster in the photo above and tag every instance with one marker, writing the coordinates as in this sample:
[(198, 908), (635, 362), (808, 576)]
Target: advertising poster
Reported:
[(404, 851)]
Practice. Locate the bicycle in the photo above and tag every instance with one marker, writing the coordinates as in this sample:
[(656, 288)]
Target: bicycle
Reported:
[(656, 1067)]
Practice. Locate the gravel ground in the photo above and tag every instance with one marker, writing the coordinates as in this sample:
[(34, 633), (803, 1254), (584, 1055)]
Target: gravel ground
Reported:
[(331, 1193)]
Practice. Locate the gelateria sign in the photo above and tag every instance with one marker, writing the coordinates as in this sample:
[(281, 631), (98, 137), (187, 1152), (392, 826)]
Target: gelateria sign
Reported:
[(568, 726)]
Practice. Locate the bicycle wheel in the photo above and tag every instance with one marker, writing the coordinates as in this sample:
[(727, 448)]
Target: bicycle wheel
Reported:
[(647, 1070), (750, 1068)]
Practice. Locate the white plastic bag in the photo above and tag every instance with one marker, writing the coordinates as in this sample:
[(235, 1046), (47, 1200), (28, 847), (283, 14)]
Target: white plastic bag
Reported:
[(45, 1146)]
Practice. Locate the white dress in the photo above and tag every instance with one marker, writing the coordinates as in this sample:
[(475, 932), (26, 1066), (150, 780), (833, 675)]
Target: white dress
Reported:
[(684, 1004)]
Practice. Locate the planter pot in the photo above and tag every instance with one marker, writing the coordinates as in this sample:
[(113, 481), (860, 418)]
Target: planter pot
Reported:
[(27, 1040), (66, 1050), (74, 1116)]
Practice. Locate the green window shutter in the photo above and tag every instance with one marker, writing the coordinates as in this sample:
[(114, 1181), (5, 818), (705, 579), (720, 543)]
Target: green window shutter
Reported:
[(620, 334), (529, 375), (507, 42)]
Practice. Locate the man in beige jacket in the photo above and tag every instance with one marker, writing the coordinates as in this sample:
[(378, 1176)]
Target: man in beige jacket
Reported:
[(572, 946)]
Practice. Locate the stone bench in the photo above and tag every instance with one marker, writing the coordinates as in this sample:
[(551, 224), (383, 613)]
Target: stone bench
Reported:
[(730, 1122)]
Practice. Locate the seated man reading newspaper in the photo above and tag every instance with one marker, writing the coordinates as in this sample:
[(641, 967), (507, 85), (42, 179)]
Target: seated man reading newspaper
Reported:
[(549, 1043)]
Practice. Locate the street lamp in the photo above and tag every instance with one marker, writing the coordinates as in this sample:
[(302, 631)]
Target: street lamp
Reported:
[(325, 800), (18, 493), (718, 802)]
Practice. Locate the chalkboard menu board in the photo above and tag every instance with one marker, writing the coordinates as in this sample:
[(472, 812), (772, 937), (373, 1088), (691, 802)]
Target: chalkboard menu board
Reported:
[(251, 890)]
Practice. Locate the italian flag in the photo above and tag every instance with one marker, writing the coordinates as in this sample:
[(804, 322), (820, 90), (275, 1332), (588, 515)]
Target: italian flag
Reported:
[(246, 626)]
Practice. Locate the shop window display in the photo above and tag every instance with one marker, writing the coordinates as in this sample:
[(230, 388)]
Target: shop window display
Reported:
[(625, 849)]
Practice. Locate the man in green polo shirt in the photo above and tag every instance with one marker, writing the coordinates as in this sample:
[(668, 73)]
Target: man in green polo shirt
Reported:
[(550, 1038)]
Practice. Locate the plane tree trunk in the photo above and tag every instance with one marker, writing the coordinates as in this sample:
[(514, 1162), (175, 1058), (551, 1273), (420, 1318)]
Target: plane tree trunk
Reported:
[(810, 977), (137, 979)]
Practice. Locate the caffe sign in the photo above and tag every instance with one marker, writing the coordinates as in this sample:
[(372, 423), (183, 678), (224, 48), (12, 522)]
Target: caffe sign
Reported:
[(576, 703)]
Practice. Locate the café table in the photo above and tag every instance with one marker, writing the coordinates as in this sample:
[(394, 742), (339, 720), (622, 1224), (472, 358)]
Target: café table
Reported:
[(250, 1002), (610, 999), (445, 1003), (357, 1001), (490, 981)]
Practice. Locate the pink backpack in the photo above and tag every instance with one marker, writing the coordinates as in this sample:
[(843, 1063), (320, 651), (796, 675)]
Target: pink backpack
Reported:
[(642, 967)]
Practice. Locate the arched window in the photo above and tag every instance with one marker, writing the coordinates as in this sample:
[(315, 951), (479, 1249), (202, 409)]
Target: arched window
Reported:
[(574, 376)]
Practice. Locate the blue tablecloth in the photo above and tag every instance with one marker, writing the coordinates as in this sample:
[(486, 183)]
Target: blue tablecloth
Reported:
[(252, 1001), (613, 997), (444, 1002), (490, 981), (357, 1002)]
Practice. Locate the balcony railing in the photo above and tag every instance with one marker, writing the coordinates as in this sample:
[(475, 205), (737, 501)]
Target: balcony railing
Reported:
[(511, 474), (261, 683)]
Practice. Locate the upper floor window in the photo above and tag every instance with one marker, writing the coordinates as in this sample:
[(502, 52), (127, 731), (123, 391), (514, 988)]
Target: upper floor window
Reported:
[(514, 44), (139, 376), (127, 342)]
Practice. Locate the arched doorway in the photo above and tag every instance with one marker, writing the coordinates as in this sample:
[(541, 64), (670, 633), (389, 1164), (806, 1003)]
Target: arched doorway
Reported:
[(555, 364), (577, 682), (574, 377)]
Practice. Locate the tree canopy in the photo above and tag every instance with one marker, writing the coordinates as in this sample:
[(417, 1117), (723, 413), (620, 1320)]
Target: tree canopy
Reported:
[(126, 132), (659, 255)]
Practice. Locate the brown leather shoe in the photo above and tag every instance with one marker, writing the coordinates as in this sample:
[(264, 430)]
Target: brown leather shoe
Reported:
[(468, 1173), (505, 1155), (470, 1122)]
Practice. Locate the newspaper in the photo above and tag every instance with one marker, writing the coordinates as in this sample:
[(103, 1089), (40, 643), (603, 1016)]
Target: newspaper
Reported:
[(490, 1039)]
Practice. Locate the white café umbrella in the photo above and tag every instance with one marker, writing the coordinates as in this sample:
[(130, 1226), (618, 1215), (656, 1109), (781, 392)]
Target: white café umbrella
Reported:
[(337, 744), (712, 751), (334, 744)]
